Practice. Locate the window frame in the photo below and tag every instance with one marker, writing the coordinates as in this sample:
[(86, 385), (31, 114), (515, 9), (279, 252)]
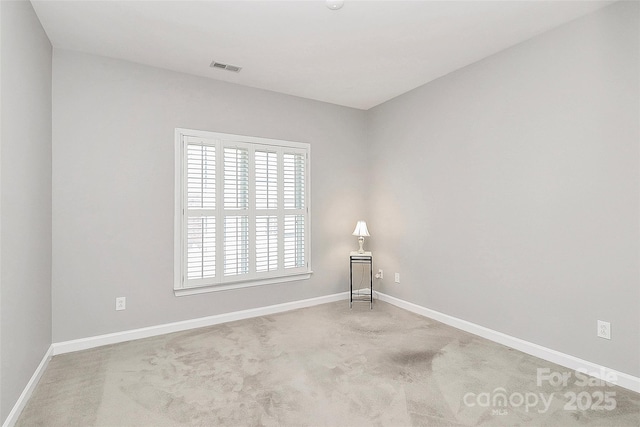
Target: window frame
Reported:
[(185, 137)]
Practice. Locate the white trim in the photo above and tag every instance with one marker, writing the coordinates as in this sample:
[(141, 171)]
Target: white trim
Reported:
[(234, 138), (239, 285), (601, 372), (12, 418), (177, 211), (152, 331)]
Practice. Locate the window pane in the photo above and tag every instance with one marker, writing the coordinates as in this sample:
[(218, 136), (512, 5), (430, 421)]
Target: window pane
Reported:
[(294, 241), (201, 247), (201, 177), (236, 178), (294, 177), (236, 245), (266, 243), (266, 180)]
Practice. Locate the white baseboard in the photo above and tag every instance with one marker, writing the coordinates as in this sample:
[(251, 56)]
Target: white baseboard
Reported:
[(601, 372), (152, 331), (28, 390)]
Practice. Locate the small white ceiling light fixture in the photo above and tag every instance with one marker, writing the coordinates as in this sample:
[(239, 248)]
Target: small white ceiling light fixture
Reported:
[(335, 4)]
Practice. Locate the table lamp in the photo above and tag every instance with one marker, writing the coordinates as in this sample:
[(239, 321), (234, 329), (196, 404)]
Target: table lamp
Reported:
[(361, 231)]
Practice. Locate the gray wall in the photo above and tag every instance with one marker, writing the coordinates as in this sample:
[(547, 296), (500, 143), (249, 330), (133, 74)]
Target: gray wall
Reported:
[(25, 214), (506, 193), (113, 172)]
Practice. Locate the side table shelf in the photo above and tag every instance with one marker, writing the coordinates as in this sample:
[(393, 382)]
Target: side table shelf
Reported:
[(360, 258)]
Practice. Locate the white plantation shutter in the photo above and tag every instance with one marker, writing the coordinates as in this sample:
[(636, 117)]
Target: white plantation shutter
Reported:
[(294, 241), (236, 200), (201, 204), (201, 176), (266, 166), (242, 214), (266, 243), (236, 245), (236, 178), (294, 180), (294, 205), (266, 224), (201, 247)]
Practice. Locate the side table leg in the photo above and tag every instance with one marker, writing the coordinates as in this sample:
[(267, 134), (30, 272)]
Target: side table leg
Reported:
[(371, 286), (350, 283)]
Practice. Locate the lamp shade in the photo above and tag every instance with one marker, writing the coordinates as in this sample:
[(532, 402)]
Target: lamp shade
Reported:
[(361, 229)]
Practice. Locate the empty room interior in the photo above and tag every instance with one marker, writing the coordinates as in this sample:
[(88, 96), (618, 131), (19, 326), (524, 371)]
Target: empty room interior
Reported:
[(334, 213)]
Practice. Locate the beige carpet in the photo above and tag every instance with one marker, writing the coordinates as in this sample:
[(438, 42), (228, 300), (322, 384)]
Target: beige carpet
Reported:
[(320, 366)]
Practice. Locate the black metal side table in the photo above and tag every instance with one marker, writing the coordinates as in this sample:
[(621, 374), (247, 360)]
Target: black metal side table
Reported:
[(361, 258)]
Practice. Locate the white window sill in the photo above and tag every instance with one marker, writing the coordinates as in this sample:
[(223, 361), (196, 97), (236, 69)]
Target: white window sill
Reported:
[(240, 285)]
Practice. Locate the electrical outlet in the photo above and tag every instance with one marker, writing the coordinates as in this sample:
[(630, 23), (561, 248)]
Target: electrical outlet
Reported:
[(397, 278), (380, 274), (121, 303), (604, 329)]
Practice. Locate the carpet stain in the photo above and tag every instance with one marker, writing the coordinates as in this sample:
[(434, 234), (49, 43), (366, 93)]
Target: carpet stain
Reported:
[(413, 357)]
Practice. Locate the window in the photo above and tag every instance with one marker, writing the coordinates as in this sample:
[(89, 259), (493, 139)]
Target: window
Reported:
[(241, 211)]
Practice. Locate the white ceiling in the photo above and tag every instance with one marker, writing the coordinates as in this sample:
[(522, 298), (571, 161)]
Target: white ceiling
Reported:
[(359, 56)]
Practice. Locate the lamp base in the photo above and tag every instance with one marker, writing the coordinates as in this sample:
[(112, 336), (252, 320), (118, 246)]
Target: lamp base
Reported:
[(361, 242)]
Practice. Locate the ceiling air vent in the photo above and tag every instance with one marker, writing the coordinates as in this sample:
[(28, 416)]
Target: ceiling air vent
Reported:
[(227, 67)]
